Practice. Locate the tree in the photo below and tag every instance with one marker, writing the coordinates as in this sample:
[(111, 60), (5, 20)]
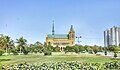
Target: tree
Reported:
[(2, 44), (11, 46), (76, 48), (95, 49), (38, 43), (81, 48), (48, 50), (89, 50), (69, 49), (39, 46), (56, 49), (30, 48), (36, 47), (1, 52), (114, 49), (105, 48), (7, 43), (111, 48), (21, 43), (86, 47), (100, 49)]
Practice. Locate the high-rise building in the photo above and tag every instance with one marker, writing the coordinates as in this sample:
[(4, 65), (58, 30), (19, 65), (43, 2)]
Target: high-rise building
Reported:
[(112, 36)]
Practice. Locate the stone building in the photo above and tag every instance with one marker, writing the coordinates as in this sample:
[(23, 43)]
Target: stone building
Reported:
[(61, 40)]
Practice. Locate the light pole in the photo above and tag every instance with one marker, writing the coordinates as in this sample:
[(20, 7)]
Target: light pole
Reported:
[(78, 37), (6, 41)]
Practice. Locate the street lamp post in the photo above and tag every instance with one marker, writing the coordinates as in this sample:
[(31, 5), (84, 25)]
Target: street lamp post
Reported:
[(6, 42), (78, 37)]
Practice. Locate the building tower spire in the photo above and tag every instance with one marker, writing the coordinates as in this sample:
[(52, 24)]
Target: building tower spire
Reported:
[(53, 31), (71, 28)]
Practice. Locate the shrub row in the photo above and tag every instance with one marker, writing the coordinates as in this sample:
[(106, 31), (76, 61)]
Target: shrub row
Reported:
[(64, 66), (52, 66)]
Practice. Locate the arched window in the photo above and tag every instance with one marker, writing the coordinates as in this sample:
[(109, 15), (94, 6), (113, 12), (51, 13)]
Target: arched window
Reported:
[(49, 43)]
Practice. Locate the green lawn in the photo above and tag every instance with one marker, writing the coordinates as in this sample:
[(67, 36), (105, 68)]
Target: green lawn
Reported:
[(40, 58)]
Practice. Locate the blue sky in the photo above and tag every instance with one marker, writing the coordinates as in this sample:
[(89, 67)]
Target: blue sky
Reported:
[(32, 19)]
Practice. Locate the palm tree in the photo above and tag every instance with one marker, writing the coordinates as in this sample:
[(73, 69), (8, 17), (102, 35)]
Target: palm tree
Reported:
[(11, 45), (2, 42), (21, 42), (6, 43)]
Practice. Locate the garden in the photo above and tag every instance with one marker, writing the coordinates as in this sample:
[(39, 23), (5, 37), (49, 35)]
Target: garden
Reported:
[(64, 66), (58, 61), (40, 56)]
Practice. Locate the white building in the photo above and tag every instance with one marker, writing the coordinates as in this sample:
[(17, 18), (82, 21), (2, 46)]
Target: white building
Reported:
[(112, 36)]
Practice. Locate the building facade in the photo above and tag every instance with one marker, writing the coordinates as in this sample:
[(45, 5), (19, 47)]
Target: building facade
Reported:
[(61, 40), (112, 36)]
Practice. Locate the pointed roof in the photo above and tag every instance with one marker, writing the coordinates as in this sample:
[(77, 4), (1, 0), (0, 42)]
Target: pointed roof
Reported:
[(71, 28)]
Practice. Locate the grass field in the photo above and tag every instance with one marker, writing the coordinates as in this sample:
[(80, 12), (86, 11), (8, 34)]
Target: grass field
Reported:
[(56, 57)]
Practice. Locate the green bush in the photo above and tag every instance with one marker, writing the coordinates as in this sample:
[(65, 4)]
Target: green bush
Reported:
[(25, 52), (56, 49), (111, 65), (115, 55), (35, 50), (52, 66), (115, 65), (40, 51), (47, 53), (14, 52), (1, 52)]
